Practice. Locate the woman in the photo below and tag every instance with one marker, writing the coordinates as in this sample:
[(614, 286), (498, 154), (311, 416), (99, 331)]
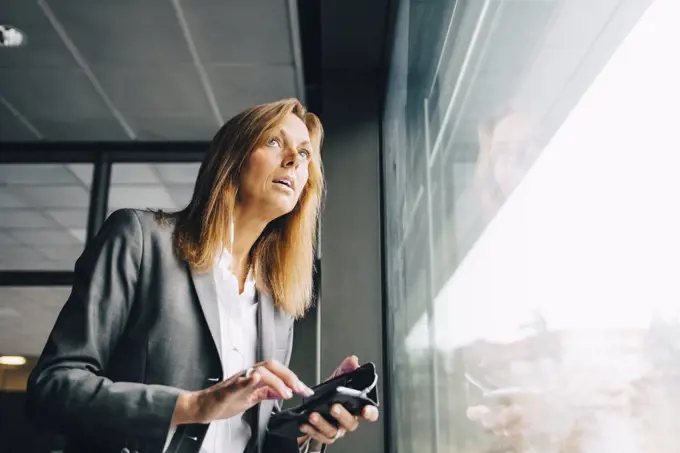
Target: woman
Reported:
[(178, 331)]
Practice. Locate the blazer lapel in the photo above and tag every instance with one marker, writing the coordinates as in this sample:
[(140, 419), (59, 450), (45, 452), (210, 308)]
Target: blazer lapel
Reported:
[(267, 336), (266, 327), (207, 296)]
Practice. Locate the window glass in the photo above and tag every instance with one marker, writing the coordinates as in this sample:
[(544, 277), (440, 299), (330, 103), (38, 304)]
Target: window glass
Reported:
[(167, 186), (530, 174), (27, 315), (43, 215)]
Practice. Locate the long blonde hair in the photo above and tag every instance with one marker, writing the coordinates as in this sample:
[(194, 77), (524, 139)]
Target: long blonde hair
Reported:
[(282, 258)]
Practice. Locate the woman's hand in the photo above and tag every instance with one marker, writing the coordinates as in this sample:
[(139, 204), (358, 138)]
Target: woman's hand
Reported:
[(269, 380), (322, 431)]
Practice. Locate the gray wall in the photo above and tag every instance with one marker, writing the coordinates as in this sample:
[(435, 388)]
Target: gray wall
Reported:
[(350, 305)]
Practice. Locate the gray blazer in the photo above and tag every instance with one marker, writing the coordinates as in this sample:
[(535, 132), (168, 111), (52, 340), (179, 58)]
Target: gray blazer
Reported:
[(139, 326)]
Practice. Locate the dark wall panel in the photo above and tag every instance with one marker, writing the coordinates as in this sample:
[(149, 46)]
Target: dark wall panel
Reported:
[(351, 280)]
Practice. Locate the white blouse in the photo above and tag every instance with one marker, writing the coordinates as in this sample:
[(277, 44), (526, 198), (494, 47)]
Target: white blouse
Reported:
[(238, 329), (238, 344)]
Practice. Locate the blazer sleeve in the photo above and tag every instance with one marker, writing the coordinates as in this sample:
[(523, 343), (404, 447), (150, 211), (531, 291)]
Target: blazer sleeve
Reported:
[(68, 390)]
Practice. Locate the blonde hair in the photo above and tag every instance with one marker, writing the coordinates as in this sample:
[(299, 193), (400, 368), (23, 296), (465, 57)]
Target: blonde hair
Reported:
[(282, 258)]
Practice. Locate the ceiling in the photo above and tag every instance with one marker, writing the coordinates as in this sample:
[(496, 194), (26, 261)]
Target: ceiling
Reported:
[(123, 71), (137, 74), (152, 70), (26, 317)]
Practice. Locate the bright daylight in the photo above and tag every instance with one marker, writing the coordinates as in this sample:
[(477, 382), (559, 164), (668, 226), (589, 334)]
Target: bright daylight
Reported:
[(588, 244)]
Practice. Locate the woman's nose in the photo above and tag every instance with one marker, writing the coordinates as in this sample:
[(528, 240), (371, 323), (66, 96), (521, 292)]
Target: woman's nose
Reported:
[(290, 158)]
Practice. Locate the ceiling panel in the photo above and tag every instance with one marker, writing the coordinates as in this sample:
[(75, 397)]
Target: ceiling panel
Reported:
[(7, 200), (180, 194), (133, 174), (50, 228), (36, 174), (27, 316), (170, 189), (53, 196), (240, 31), (11, 128), (24, 218), (116, 71), (175, 128), (124, 32), (178, 173), (57, 93), (82, 171), (21, 257), (56, 128), (6, 239), (69, 218), (139, 197), (58, 99), (237, 88), (155, 91), (42, 236), (44, 47), (65, 255)]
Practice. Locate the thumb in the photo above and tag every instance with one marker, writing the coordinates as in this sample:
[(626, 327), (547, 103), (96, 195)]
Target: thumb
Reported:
[(350, 363)]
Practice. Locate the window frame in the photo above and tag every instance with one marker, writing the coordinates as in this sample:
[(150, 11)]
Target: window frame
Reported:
[(102, 156)]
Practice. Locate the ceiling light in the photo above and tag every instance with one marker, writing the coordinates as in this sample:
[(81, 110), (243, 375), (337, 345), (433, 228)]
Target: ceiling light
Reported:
[(11, 36), (12, 360)]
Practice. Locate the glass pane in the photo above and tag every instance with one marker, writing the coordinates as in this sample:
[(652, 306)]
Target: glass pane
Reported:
[(530, 170), (152, 186), (27, 315), (43, 215)]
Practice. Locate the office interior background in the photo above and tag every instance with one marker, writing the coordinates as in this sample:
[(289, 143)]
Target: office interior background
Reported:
[(500, 231)]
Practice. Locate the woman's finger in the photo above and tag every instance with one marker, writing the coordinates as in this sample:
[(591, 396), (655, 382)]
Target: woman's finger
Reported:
[(253, 389), (264, 393), (316, 435), (350, 363), (347, 421), (322, 425), (286, 376), (271, 380), (370, 413)]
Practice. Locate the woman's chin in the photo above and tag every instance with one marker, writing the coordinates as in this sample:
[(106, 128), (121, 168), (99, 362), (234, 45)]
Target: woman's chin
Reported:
[(281, 208)]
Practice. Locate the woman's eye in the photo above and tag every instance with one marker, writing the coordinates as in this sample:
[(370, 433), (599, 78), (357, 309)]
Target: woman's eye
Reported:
[(304, 153), (273, 142)]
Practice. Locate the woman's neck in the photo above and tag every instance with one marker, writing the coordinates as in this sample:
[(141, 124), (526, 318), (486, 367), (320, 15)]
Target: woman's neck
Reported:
[(247, 229)]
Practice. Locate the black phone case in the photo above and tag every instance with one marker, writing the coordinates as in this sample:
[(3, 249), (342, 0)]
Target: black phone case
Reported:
[(286, 423)]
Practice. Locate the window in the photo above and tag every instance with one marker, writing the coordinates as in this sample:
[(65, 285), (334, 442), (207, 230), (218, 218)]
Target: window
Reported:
[(43, 215), (530, 160), (166, 186), (27, 315)]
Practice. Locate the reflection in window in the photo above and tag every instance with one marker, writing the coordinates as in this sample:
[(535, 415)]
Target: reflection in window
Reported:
[(546, 200), (43, 215)]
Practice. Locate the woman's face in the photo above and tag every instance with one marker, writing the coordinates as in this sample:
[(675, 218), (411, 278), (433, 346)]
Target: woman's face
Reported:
[(276, 173)]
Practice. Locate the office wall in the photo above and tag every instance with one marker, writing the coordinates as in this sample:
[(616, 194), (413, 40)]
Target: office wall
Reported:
[(350, 306)]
